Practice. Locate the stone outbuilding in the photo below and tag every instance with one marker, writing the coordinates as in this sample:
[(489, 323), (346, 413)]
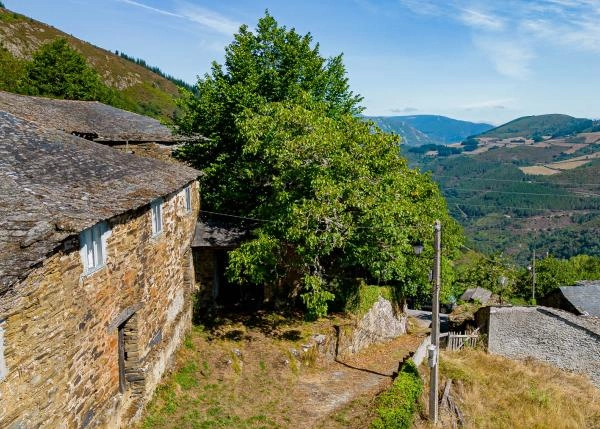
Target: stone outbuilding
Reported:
[(213, 240), (96, 277), (557, 337), (98, 122), (582, 299), (476, 294)]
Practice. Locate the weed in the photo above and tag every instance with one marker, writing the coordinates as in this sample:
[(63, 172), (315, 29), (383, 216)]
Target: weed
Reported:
[(539, 397), (188, 343), (236, 363), (397, 406), (186, 376)]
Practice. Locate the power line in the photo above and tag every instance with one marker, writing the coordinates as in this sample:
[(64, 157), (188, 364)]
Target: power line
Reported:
[(509, 192), (528, 182), (237, 217), (515, 208)]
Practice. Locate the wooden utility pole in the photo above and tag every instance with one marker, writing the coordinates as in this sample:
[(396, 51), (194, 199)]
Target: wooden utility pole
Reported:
[(533, 278), (435, 321)]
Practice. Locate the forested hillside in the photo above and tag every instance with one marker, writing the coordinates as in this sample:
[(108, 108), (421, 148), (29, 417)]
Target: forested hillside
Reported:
[(134, 87), (506, 210), (553, 125), (429, 129)]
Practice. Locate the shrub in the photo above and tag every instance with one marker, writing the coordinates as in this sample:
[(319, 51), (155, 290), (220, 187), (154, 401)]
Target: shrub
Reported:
[(396, 406)]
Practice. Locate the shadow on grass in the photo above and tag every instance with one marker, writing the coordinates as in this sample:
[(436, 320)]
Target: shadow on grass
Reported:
[(270, 323)]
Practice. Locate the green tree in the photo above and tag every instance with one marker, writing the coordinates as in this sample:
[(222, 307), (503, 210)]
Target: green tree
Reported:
[(285, 145), (57, 70), (13, 71), (494, 273), (275, 64)]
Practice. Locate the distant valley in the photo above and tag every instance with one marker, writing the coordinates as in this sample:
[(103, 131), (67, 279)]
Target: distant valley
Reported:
[(529, 184)]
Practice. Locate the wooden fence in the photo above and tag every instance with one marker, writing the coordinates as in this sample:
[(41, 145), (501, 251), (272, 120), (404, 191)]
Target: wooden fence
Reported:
[(457, 340)]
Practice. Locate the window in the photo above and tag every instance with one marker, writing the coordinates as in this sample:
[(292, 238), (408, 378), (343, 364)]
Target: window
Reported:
[(93, 246), (156, 209), (188, 198), (3, 368)]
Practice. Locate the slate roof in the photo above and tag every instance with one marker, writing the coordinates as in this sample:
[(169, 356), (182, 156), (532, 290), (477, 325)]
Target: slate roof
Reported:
[(54, 185), (97, 121), (586, 298), (480, 294), (216, 234)]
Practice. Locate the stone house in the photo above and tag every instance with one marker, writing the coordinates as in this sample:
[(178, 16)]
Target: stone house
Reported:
[(582, 299), (555, 336), (97, 122), (96, 276)]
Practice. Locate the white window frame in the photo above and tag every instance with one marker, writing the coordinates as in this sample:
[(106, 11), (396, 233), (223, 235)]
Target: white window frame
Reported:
[(3, 367), (92, 243), (187, 194), (156, 216)]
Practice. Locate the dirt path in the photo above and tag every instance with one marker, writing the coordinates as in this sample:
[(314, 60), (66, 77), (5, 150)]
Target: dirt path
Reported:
[(340, 384), (253, 374)]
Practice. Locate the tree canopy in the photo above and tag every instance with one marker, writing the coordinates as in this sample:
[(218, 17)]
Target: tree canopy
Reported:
[(57, 70), (335, 199)]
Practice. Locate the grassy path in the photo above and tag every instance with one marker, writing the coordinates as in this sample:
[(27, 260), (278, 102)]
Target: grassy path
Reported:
[(253, 374)]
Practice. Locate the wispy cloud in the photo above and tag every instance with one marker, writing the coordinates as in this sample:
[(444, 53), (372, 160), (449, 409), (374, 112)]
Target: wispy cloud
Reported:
[(209, 19), (510, 58), (204, 17), (404, 110), (153, 9), (511, 32), (496, 104), (477, 19)]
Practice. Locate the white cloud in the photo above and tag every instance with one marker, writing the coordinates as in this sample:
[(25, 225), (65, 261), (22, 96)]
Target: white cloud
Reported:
[(510, 58), (209, 19), (485, 21), (497, 103), (153, 9), (206, 18)]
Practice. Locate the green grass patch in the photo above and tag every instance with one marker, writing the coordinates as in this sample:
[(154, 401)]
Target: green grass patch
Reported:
[(396, 406), (364, 297)]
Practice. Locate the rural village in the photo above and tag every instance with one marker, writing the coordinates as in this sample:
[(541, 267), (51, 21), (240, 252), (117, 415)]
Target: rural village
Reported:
[(130, 293)]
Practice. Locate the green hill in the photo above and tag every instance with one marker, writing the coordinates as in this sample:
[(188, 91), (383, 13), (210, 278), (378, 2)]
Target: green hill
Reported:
[(141, 90), (410, 135), (429, 129), (554, 125)]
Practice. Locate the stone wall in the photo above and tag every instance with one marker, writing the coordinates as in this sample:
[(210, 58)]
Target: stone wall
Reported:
[(550, 335), (61, 334), (148, 149), (379, 324)]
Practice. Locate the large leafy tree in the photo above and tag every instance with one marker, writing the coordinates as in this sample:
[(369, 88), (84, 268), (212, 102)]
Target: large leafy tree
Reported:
[(285, 145), (57, 70)]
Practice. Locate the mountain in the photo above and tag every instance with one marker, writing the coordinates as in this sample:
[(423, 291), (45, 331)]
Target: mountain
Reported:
[(143, 91), (515, 196), (554, 125), (429, 129)]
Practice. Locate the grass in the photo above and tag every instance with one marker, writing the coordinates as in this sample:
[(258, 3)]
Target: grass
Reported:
[(234, 374), (397, 405), (495, 392)]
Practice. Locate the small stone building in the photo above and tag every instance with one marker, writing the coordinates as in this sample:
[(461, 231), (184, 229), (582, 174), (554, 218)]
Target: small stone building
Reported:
[(96, 276), (98, 122), (476, 294), (547, 334), (582, 299), (213, 240)]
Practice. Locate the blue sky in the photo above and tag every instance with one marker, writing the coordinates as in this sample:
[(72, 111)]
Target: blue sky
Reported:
[(479, 60)]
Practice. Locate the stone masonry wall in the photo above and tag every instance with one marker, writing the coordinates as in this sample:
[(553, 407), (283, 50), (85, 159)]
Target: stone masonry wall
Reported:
[(61, 332), (546, 334)]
